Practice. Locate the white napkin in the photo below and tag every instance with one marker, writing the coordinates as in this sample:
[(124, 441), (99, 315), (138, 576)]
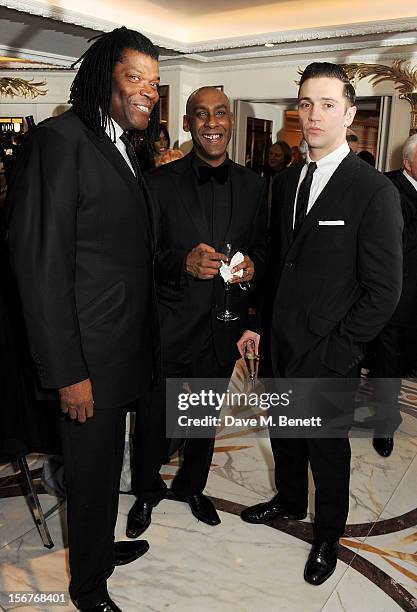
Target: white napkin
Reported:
[(225, 270)]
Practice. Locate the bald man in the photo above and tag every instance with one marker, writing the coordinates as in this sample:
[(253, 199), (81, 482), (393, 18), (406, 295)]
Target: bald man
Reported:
[(201, 201)]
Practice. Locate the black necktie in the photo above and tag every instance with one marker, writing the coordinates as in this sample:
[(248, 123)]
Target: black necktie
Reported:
[(132, 156), (303, 197), (219, 173)]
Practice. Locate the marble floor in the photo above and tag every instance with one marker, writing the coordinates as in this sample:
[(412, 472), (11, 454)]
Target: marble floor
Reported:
[(236, 566)]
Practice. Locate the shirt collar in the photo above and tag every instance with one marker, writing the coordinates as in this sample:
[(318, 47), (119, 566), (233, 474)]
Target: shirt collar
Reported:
[(410, 178), (329, 162), (113, 130)]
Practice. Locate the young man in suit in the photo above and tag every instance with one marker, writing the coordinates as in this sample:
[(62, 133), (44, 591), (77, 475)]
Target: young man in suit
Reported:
[(335, 270), (394, 352), (201, 201), (81, 242)]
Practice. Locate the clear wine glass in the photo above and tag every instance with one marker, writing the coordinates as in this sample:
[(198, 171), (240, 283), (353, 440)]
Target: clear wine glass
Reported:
[(226, 314)]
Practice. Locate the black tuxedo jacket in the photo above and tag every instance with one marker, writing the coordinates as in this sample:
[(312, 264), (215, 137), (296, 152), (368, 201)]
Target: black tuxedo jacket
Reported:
[(336, 286), (188, 306), (406, 311), (81, 243)]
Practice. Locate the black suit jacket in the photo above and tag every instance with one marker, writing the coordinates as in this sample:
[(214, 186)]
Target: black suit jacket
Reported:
[(187, 305), (406, 312), (336, 286), (81, 244)]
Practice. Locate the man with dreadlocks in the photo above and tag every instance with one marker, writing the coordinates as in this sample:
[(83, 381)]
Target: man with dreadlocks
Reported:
[(81, 243)]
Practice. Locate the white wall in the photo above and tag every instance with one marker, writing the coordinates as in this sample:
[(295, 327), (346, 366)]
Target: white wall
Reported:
[(259, 110), (53, 103), (261, 82), (182, 83), (277, 82)]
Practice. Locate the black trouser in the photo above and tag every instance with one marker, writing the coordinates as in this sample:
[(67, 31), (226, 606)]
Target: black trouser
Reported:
[(393, 353), (93, 458), (329, 457), (392, 356), (330, 465), (151, 443)]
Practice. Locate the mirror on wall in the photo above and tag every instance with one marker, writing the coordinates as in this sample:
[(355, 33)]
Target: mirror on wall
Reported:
[(261, 123), (258, 140)]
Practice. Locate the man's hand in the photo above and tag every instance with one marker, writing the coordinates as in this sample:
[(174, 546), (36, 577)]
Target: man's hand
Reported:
[(248, 268), (203, 261), (77, 400), (248, 335)]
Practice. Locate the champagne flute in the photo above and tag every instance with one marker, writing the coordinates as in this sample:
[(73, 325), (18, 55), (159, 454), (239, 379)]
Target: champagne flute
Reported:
[(251, 361), (226, 314)]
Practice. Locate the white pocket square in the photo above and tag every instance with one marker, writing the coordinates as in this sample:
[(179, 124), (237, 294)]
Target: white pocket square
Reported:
[(341, 222)]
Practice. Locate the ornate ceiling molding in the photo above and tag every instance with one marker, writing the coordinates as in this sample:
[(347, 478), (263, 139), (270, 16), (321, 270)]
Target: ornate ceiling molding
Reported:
[(280, 55), (341, 31), (86, 21), (298, 49), (287, 61), (311, 34), (61, 61)]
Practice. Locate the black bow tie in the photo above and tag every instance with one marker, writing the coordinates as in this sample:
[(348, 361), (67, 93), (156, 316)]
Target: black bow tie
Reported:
[(220, 173)]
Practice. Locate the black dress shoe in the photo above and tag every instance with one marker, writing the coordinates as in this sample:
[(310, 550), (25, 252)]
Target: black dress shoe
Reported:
[(126, 552), (268, 511), (201, 506), (321, 562), (139, 518), (383, 446), (105, 606)]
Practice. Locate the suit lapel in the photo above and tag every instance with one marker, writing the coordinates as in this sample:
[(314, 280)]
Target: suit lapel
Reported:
[(110, 151), (188, 196), (289, 201), (148, 201), (238, 196), (326, 203), (407, 187)]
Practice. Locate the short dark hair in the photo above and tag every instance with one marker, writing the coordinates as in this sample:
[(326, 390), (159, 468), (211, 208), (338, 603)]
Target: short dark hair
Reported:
[(91, 89), (352, 138), (285, 148), (332, 71)]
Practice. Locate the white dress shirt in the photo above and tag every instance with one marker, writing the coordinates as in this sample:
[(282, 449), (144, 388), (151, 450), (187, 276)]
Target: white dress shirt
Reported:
[(410, 178), (326, 167), (114, 134)]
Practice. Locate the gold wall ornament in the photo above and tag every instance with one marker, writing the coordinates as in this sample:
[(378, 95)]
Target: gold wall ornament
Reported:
[(14, 86), (401, 73)]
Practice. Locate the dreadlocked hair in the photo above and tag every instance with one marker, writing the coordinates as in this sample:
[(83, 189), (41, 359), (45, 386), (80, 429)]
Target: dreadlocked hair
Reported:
[(91, 89)]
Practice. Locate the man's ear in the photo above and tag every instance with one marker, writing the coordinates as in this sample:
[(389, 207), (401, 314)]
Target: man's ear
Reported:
[(350, 115), (407, 165), (232, 119), (186, 124)]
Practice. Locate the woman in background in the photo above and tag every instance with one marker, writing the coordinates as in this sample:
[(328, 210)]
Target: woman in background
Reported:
[(279, 156), (162, 152)]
